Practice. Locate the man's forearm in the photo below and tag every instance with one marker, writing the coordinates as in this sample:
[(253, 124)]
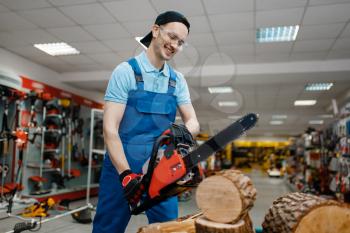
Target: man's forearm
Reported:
[(193, 127), (116, 152)]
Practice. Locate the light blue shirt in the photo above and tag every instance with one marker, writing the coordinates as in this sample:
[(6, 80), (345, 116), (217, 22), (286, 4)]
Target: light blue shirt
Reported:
[(123, 80)]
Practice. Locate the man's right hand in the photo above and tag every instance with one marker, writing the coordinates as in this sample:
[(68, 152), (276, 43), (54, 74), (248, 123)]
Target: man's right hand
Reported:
[(133, 188)]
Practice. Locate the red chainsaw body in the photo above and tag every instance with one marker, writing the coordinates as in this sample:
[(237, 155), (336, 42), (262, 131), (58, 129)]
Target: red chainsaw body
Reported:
[(167, 171)]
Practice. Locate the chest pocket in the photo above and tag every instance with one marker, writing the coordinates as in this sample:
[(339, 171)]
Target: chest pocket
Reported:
[(153, 107)]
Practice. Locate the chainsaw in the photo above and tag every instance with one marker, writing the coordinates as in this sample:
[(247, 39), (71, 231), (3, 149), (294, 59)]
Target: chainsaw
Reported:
[(167, 175)]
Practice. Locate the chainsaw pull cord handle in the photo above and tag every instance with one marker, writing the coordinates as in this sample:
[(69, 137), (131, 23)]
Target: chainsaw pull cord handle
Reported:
[(157, 144)]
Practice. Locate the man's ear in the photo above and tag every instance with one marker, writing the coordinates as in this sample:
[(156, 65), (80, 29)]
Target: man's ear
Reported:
[(155, 30)]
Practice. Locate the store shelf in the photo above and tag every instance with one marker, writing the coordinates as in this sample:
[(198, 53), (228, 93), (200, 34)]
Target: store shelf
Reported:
[(73, 193), (45, 168)]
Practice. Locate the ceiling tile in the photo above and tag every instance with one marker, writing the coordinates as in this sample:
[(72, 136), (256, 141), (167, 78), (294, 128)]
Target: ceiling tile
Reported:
[(3, 9), (312, 45), (232, 38), (194, 7), (77, 59), (26, 37), (199, 24), (88, 14), (274, 57), (25, 4), (268, 48), (282, 17), (339, 54), (321, 2), (70, 2), (346, 32), (71, 34), (228, 6), (298, 56), (90, 47), (279, 4), (121, 10), (139, 28), (14, 22), (342, 43), (107, 31), (27, 51), (237, 50), (105, 58), (325, 31), (232, 22), (48, 17), (201, 39), (122, 45), (327, 14)]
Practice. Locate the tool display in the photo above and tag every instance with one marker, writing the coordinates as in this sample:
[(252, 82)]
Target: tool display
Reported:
[(164, 175)]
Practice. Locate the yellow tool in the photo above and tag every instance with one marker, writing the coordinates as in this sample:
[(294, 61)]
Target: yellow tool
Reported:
[(39, 209)]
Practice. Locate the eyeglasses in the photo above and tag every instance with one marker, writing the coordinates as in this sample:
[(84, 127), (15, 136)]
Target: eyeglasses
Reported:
[(173, 38)]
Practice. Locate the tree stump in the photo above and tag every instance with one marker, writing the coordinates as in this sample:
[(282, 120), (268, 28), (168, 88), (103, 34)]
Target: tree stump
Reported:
[(305, 213), (203, 225), (226, 197)]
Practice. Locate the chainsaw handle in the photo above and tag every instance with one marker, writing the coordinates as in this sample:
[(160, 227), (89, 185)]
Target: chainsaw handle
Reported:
[(160, 141)]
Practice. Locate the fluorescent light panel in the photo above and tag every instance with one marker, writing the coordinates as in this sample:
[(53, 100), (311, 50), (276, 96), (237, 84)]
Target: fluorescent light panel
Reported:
[(228, 104), (57, 49), (277, 34), (138, 39), (318, 86), (316, 122), (326, 116), (279, 116), (213, 90), (234, 117), (276, 122), (304, 102)]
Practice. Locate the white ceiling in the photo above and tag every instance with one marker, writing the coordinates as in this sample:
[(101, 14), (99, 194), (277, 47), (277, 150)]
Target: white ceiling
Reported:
[(222, 34)]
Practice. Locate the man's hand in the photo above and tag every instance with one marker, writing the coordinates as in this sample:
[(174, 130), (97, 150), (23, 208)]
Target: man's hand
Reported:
[(133, 188), (180, 134)]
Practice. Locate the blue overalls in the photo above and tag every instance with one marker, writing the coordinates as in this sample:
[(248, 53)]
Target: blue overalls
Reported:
[(147, 115)]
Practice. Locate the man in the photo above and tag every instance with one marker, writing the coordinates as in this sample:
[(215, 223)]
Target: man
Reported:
[(142, 97)]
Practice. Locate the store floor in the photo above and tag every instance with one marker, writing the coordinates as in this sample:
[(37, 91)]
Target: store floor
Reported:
[(268, 190)]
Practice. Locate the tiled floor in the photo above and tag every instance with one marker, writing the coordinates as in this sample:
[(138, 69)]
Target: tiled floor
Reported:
[(268, 190)]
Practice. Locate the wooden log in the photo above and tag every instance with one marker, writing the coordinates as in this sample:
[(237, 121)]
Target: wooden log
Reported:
[(305, 213), (186, 226), (204, 225), (226, 197)]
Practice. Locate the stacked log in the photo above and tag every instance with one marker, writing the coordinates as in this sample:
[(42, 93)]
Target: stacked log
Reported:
[(225, 200), (305, 213)]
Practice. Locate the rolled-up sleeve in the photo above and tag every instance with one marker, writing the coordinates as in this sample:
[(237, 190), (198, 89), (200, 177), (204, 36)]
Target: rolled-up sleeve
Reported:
[(120, 83)]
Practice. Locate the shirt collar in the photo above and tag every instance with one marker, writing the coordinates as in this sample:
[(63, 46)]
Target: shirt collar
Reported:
[(148, 67)]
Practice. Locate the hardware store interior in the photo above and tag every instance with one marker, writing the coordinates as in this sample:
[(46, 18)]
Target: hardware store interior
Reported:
[(267, 148)]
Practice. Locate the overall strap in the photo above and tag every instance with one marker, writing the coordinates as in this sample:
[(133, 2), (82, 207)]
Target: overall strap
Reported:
[(137, 71), (172, 81)]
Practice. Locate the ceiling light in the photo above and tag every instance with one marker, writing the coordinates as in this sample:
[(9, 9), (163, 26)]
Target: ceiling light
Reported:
[(316, 122), (57, 49), (178, 118), (326, 116), (304, 102), (279, 116), (277, 34), (213, 90), (234, 117), (276, 122), (228, 104), (318, 86)]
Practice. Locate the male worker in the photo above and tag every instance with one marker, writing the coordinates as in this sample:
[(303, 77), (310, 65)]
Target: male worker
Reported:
[(142, 97)]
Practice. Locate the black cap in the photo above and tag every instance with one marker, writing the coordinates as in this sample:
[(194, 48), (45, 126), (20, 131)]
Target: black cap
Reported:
[(164, 18)]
